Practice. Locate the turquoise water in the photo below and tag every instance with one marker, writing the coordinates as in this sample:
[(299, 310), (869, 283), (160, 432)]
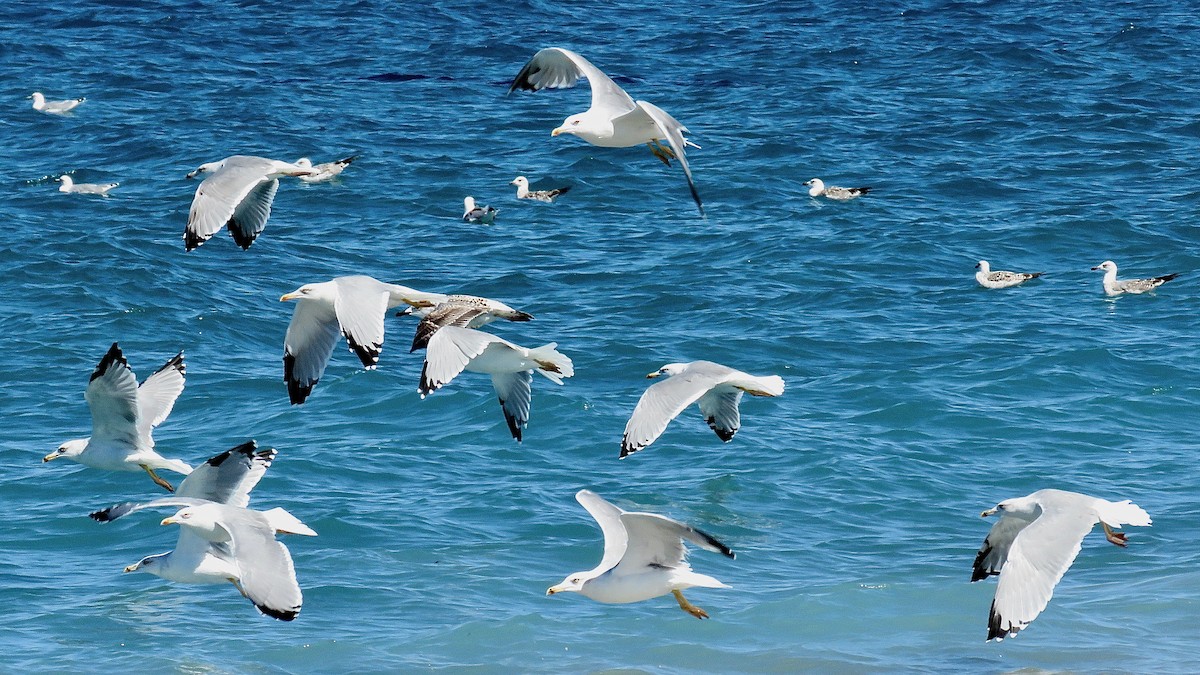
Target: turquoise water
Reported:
[(1044, 139)]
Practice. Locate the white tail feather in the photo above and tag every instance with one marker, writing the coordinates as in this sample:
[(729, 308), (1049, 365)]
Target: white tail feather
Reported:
[(286, 523), (1116, 514), (552, 363)]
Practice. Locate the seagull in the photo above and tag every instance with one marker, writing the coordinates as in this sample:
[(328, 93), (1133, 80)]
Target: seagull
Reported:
[(238, 193), (614, 120), (222, 541), (479, 215), (123, 416), (1135, 286), (464, 311), (452, 350), (325, 171), (70, 186), (716, 388), (1033, 544), (817, 189), (523, 191), (643, 558), (40, 104), (1001, 279), (355, 306)]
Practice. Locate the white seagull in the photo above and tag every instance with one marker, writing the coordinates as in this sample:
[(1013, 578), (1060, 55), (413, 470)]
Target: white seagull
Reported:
[(238, 193), (40, 104), (1136, 286), (1033, 544), (614, 120), (1000, 278), (123, 417), (716, 388), (452, 350), (644, 558), (464, 311), (354, 306), (523, 191), (479, 215), (325, 171), (70, 186), (817, 188)]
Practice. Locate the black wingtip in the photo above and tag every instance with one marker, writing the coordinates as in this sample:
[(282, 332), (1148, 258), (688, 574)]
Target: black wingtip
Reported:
[(367, 354), (111, 513), (1167, 277), (298, 391), (513, 425), (192, 241), (995, 631), (521, 316), (281, 614), (712, 541), (241, 236), (112, 356)]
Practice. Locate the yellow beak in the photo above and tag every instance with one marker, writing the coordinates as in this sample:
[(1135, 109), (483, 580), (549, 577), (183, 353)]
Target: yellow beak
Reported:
[(556, 131), (552, 590), (131, 568), (53, 455), (651, 376), (168, 521), (288, 296), (989, 512)]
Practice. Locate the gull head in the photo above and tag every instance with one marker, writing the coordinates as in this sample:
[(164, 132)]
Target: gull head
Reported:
[(572, 125), (468, 204), (816, 186), (1021, 507), (66, 181), (69, 450), (148, 564), (208, 167), (669, 369), (306, 292), (572, 584), (520, 181), (201, 520), (983, 266), (39, 101), (1107, 266)]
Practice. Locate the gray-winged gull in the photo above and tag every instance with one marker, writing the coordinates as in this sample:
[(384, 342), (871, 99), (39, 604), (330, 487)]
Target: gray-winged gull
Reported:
[(1033, 544), (644, 558), (325, 171), (716, 388), (238, 193), (1136, 286), (1001, 278), (464, 311), (123, 417), (817, 188), (40, 104), (614, 120), (476, 214), (71, 187), (523, 191), (452, 350)]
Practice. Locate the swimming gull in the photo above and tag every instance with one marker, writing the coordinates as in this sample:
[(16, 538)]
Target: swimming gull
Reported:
[(818, 189), (1000, 278), (523, 191), (40, 104), (1033, 544), (325, 171), (1136, 286), (123, 417), (355, 306), (70, 186), (452, 350), (614, 120), (716, 388), (238, 193), (479, 215), (464, 311), (644, 558)]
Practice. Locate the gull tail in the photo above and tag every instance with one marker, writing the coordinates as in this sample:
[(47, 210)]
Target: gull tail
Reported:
[(1164, 279), (1116, 514), (770, 385), (690, 578), (552, 363), (173, 465), (285, 523)]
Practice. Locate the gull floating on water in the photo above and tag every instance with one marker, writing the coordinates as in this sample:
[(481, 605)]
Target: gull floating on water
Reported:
[(238, 193), (1034, 543), (354, 306), (325, 171), (1000, 278), (123, 417), (479, 215), (70, 186), (452, 350), (523, 191), (817, 188), (464, 311), (716, 388), (644, 558), (40, 104), (220, 540), (1136, 286), (614, 120)]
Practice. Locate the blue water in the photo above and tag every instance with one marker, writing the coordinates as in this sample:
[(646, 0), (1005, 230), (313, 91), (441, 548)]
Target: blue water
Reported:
[(1043, 138)]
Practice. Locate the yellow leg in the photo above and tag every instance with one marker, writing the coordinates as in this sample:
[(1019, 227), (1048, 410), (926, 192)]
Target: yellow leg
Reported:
[(1117, 538), (157, 479), (661, 152), (689, 607)]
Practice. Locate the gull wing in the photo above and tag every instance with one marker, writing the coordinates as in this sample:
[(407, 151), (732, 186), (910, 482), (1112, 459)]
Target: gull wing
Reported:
[(673, 131), (307, 347), (657, 541), (557, 68), (448, 353), (125, 508), (445, 314), (360, 311), (1038, 557), (250, 217), (228, 477), (994, 552), (720, 409), (156, 395), (608, 517), (219, 196), (268, 577), (111, 395), (515, 393), (661, 403)]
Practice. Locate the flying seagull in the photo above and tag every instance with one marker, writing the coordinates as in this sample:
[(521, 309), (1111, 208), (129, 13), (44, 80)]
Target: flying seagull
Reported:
[(523, 191), (614, 120), (123, 416), (1136, 286), (1000, 278), (644, 558), (238, 193), (717, 389), (464, 311), (1033, 544)]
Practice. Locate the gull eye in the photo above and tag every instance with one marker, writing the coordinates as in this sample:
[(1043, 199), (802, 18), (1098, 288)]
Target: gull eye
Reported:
[(575, 123)]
